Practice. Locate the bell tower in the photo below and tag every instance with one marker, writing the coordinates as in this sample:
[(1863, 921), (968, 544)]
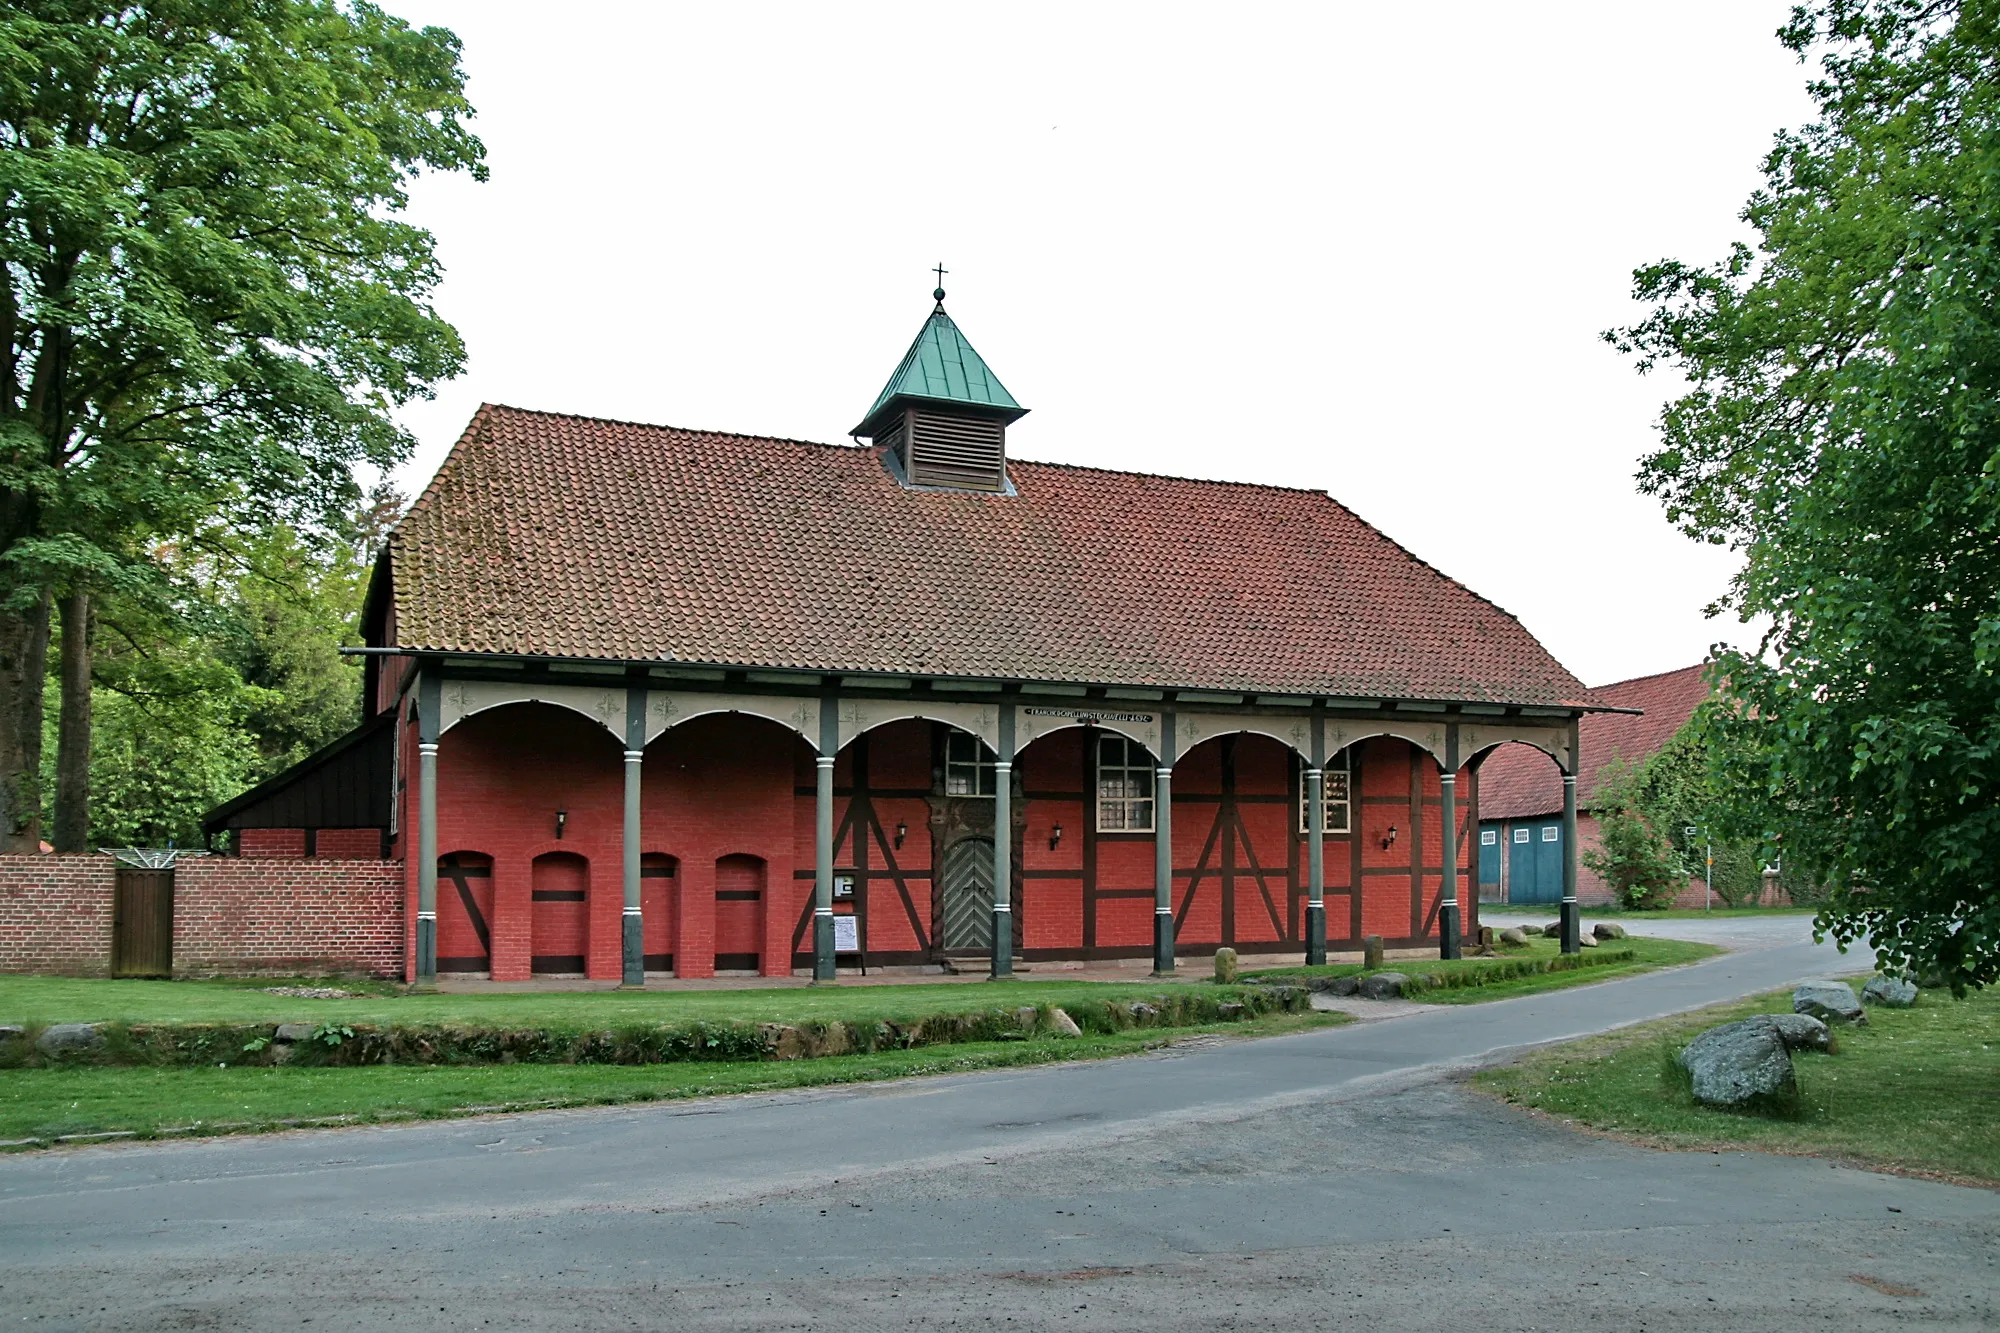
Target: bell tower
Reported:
[(941, 420)]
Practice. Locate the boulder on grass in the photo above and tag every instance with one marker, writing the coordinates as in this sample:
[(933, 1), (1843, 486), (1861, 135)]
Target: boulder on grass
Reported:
[(1586, 941), (1608, 930), (1553, 931), (1890, 992), (1062, 1025), (1514, 935), (1739, 1063), (61, 1038), (1347, 985), (1801, 1032), (1225, 965), (1829, 1001), (288, 1033), (1383, 986)]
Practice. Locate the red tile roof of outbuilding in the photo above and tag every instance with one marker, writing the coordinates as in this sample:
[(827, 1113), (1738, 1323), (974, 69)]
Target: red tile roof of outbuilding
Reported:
[(573, 537), (1517, 782)]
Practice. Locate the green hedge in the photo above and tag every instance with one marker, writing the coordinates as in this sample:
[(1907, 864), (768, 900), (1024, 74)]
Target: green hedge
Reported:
[(187, 1045), (1506, 969)]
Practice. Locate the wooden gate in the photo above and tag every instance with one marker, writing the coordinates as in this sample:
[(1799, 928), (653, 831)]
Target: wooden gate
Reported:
[(142, 922), (965, 896)]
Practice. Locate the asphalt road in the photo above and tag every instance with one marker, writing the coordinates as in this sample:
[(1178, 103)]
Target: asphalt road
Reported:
[(1327, 1179)]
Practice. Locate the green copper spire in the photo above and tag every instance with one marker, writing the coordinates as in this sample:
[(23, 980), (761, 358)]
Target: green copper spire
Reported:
[(941, 367)]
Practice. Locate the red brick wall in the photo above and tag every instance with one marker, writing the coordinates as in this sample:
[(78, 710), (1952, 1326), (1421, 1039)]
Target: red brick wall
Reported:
[(278, 842), (244, 916), (232, 915), (55, 914)]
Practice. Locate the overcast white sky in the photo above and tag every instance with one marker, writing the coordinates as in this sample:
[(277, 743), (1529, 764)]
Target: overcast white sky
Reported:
[(1362, 248)]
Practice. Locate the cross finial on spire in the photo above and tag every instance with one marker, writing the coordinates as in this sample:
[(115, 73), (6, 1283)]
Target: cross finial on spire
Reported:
[(940, 270)]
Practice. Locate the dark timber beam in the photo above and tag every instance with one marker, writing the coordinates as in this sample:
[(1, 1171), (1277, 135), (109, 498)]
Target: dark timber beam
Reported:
[(1163, 851), (1571, 914), (632, 920), (1448, 945), (1003, 848)]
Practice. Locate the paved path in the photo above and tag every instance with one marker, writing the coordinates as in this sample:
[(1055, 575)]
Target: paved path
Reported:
[(1323, 1179)]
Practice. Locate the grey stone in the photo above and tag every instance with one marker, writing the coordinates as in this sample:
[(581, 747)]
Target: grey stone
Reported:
[(1383, 986), (1347, 985), (1739, 1062), (290, 1032), (1801, 1032), (1608, 930), (1371, 951), (1513, 935), (1586, 941), (1225, 965), (1229, 1010), (59, 1038), (1891, 992), (1829, 1001), (1553, 931), (1143, 1012), (1063, 1025), (9, 1031)]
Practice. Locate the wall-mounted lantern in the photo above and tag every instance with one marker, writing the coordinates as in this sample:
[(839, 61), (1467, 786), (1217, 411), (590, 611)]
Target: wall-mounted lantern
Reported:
[(902, 832), (1055, 837), (1389, 840), (562, 818)]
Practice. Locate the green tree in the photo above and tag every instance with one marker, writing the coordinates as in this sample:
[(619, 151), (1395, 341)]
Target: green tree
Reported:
[(1839, 428), (210, 300), (1632, 855)]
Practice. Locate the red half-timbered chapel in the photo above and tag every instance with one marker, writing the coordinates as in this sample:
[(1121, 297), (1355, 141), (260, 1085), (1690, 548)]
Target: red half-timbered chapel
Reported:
[(647, 700)]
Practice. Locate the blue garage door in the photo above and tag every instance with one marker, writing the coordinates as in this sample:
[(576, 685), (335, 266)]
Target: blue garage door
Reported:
[(1489, 863), (1535, 863)]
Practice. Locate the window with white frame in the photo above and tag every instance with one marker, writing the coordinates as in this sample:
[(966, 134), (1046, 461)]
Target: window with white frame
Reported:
[(1124, 786), (1333, 797), (968, 765)]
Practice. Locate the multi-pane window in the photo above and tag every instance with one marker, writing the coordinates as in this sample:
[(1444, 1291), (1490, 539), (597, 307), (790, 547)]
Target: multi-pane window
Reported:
[(968, 765), (1124, 786), (1333, 797)]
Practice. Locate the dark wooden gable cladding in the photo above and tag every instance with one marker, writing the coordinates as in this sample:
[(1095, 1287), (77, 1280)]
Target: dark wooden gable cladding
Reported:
[(938, 446), (344, 785)]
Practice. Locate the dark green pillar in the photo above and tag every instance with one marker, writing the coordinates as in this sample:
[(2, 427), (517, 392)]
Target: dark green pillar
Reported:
[(430, 701), (1163, 851), (1315, 779), (633, 920), (1572, 918), (829, 747), (1003, 848), (1448, 931)]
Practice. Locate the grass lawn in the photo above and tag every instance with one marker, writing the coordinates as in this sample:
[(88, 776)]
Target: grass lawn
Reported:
[(44, 1103), (1550, 911), (1650, 953), (74, 1000), (1916, 1090)]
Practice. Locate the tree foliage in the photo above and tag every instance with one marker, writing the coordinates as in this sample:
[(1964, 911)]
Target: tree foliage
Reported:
[(1839, 428), (211, 300), (1633, 856)]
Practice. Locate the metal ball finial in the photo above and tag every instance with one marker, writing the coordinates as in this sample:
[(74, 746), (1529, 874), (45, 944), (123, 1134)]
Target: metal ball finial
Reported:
[(938, 295), (940, 270)]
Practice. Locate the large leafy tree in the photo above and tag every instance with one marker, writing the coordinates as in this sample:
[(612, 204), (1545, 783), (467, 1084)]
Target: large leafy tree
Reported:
[(1842, 429), (211, 301)]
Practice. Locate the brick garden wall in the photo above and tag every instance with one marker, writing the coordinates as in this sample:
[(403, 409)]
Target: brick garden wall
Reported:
[(55, 915), (235, 916)]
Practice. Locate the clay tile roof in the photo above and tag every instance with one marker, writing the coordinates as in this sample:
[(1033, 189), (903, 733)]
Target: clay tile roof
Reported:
[(1517, 782), (568, 536)]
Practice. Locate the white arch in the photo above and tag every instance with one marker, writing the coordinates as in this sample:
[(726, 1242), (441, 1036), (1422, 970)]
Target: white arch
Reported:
[(1034, 721), (461, 699), (1551, 741), (670, 708), (1191, 729), (1426, 736), (861, 715)]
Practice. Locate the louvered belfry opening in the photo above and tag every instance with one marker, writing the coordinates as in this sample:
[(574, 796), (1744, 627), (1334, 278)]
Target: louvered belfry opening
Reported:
[(941, 421)]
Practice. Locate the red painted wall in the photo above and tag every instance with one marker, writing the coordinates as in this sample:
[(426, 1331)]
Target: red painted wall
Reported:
[(55, 915)]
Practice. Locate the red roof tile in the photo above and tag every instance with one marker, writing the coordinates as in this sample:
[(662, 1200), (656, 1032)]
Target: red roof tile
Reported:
[(1517, 782), (568, 536)]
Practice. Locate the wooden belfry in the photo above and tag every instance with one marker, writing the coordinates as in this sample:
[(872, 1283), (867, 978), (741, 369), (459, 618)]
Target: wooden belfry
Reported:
[(941, 420)]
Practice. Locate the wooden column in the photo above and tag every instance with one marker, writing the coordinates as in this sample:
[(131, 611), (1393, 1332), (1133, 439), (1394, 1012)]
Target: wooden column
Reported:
[(829, 748), (430, 703), (632, 920), (1003, 848), (1316, 847), (1571, 914), (1163, 850), (1448, 934)]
